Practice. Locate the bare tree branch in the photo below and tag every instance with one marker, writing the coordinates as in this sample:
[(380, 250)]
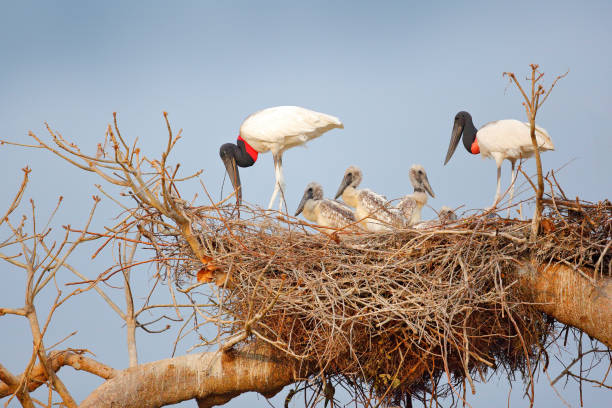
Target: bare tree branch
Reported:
[(18, 196), (532, 105), (56, 360)]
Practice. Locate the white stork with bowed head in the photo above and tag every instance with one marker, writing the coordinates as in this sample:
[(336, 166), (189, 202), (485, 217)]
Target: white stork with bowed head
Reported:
[(372, 210), (321, 211), (276, 130), (410, 206), (507, 139)]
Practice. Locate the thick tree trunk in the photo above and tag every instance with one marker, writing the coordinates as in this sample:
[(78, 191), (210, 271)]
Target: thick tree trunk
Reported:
[(212, 378), (571, 298)]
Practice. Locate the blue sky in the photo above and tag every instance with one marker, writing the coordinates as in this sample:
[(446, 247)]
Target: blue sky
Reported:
[(394, 72)]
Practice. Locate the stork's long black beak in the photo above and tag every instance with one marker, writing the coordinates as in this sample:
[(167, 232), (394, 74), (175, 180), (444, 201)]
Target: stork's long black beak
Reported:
[(307, 196), (229, 160), (346, 181), (455, 137)]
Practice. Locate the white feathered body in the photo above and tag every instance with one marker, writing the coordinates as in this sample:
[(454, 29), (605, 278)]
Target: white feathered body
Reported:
[(410, 207), (283, 127), (510, 139), (328, 213), (372, 209)]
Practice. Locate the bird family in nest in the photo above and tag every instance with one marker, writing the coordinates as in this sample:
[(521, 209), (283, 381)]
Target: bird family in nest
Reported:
[(280, 128)]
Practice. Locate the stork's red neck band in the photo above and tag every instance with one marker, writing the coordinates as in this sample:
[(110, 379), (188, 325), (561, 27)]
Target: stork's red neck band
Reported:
[(251, 152), (475, 149)]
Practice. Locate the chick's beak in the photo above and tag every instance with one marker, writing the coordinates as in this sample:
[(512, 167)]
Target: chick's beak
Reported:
[(300, 208), (427, 187), (346, 181)]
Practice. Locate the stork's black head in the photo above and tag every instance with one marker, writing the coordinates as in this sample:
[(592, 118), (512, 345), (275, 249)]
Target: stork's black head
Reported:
[(463, 116), (462, 125), (234, 156)]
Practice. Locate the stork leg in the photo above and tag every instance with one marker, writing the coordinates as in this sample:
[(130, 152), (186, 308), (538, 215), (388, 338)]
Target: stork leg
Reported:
[(498, 186), (275, 192), (513, 175), (279, 183)]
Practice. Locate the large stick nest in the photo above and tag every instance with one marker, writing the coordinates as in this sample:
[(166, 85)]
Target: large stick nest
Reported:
[(394, 311)]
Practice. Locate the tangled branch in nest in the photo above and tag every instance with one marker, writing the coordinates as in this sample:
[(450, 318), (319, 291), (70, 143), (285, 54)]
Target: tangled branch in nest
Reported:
[(395, 312)]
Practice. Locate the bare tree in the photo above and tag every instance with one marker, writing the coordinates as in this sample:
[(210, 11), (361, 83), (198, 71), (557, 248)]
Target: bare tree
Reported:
[(532, 103), (293, 307)]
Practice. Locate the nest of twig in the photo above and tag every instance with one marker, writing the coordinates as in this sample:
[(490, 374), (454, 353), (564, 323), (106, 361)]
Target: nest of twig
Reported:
[(396, 311)]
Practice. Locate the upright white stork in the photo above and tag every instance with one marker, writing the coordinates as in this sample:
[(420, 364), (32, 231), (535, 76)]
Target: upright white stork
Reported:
[(324, 212), (503, 139), (273, 129), (372, 210), (410, 206)]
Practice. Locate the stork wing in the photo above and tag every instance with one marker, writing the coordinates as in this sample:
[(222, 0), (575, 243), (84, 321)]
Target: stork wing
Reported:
[(377, 206), (407, 206), (283, 127), (511, 135), (337, 215)]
